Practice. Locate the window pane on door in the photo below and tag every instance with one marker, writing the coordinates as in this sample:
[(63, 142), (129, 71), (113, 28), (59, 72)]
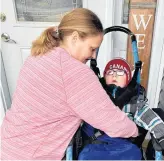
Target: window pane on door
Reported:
[(44, 10)]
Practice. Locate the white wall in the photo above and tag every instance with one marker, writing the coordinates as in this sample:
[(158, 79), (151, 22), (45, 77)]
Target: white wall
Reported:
[(157, 57), (2, 100), (5, 99), (105, 11)]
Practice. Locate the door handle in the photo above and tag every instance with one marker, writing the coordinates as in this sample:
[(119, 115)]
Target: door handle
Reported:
[(2, 17), (6, 38)]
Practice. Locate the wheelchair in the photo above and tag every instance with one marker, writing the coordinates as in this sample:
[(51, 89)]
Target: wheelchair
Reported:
[(154, 150)]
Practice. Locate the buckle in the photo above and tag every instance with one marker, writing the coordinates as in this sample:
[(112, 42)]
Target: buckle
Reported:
[(138, 64), (80, 142), (93, 138)]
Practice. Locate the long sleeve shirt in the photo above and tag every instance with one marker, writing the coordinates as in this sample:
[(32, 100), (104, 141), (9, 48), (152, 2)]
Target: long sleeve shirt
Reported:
[(54, 93)]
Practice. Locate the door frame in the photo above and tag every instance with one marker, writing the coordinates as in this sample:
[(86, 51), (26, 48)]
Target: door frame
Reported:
[(157, 57), (5, 99)]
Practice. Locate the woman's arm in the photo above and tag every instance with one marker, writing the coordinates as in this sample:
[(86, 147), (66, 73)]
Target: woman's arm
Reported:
[(89, 101)]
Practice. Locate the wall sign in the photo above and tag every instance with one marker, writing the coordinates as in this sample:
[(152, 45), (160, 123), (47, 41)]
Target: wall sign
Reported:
[(141, 23)]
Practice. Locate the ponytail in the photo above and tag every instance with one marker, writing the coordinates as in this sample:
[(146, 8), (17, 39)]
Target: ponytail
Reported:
[(82, 20), (45, 42)]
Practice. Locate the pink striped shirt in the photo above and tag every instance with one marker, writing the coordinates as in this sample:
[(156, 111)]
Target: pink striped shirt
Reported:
[(54, 94)]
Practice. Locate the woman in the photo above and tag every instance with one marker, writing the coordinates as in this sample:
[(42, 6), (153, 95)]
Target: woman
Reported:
[(56, 90)]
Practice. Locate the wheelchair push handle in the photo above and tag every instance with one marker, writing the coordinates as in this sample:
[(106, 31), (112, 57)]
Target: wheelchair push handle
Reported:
[(121, 29)]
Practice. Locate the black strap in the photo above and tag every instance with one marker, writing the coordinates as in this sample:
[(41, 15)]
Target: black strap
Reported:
[(90, 141), (138, 66), (94, 138), (94, 67), (78, 143)]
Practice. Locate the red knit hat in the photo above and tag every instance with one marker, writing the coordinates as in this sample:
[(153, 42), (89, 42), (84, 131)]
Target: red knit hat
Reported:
[(121, 64)]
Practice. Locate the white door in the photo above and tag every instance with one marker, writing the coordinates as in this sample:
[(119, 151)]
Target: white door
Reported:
[(26, 19)]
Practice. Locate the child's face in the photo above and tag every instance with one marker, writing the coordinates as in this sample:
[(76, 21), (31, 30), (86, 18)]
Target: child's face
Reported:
[(115, 76)]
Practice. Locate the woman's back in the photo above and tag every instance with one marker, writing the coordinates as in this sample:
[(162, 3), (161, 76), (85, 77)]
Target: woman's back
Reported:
[(39, 106)]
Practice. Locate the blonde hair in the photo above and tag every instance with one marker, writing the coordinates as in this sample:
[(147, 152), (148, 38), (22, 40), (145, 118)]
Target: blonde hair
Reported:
[(82, 20)]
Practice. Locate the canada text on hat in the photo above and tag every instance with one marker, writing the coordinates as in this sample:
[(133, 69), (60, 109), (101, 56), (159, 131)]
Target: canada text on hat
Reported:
[(120, 67)]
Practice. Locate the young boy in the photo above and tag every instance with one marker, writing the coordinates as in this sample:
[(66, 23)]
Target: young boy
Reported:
[(118, 73)]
